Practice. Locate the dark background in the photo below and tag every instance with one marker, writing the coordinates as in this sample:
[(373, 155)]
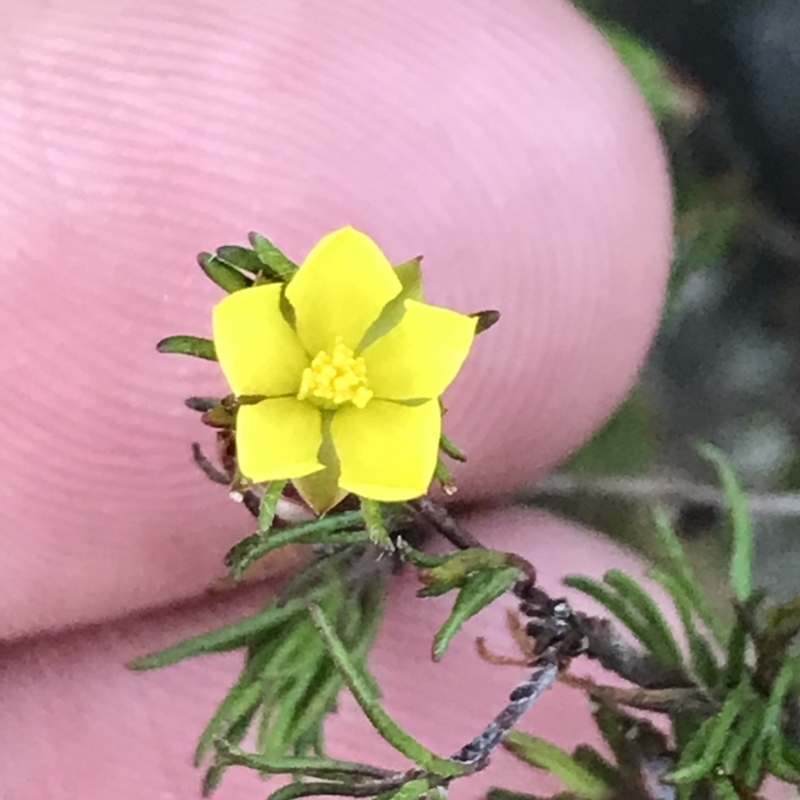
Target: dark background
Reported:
[(722, 78)]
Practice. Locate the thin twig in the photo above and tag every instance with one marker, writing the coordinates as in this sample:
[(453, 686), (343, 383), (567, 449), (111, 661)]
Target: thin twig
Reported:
[(439, 517), (618, 655), (479, 750), (662, 490), (662, 701)]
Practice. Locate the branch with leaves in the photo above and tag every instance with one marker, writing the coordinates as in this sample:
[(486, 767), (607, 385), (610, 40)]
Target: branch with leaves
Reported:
[(728, 699)]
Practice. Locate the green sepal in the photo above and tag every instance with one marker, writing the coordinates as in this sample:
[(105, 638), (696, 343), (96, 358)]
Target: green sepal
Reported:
[(269, 255), (410, 278), (485, 320), (219, 417), (188, 346), (224, 275), (409, 273), (320, 490)]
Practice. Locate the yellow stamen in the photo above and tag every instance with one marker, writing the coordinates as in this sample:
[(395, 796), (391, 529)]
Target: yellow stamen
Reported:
[(337, 378)]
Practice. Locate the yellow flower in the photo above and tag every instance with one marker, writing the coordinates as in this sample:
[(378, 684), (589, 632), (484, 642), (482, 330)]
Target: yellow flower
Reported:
[(341, 407)]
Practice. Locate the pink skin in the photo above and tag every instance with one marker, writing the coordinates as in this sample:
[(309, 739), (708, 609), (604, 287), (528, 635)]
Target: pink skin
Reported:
[(501, 139)]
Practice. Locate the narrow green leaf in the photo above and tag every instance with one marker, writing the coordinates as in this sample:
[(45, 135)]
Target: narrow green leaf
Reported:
[(460, 565), (736, 656), (234, 735), (241, 701), (621, 609), (479, 591), (419, 558), (450, 448), (505, 794), (292, 765), (372, 512), (615, 726), (332, 529), (188, 346), (782, 759), (636, 596), (440, 589), (725, 790), (269, 505), (298, 653), (781, 769), (240, 258), (444, 477), (412, 790), (741, 570), (381, 721), (544, 755), (228, 637), (273, 258), (704, 662), (284, 731), (224, 275), (784, 620), (683, 573), (292, 791), (791, 753), (742, 736), (777, 697), (589, 758), (714, 738)]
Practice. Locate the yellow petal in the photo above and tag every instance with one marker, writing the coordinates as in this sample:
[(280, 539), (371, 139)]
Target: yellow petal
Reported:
[(387, 451), (421, 355), (258, 351), (340, 289), (278, 439)]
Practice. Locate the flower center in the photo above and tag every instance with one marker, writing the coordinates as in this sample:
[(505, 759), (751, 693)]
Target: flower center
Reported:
[(337, 378)]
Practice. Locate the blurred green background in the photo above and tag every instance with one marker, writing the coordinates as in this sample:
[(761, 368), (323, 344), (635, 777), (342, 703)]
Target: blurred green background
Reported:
[(722, 78)]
